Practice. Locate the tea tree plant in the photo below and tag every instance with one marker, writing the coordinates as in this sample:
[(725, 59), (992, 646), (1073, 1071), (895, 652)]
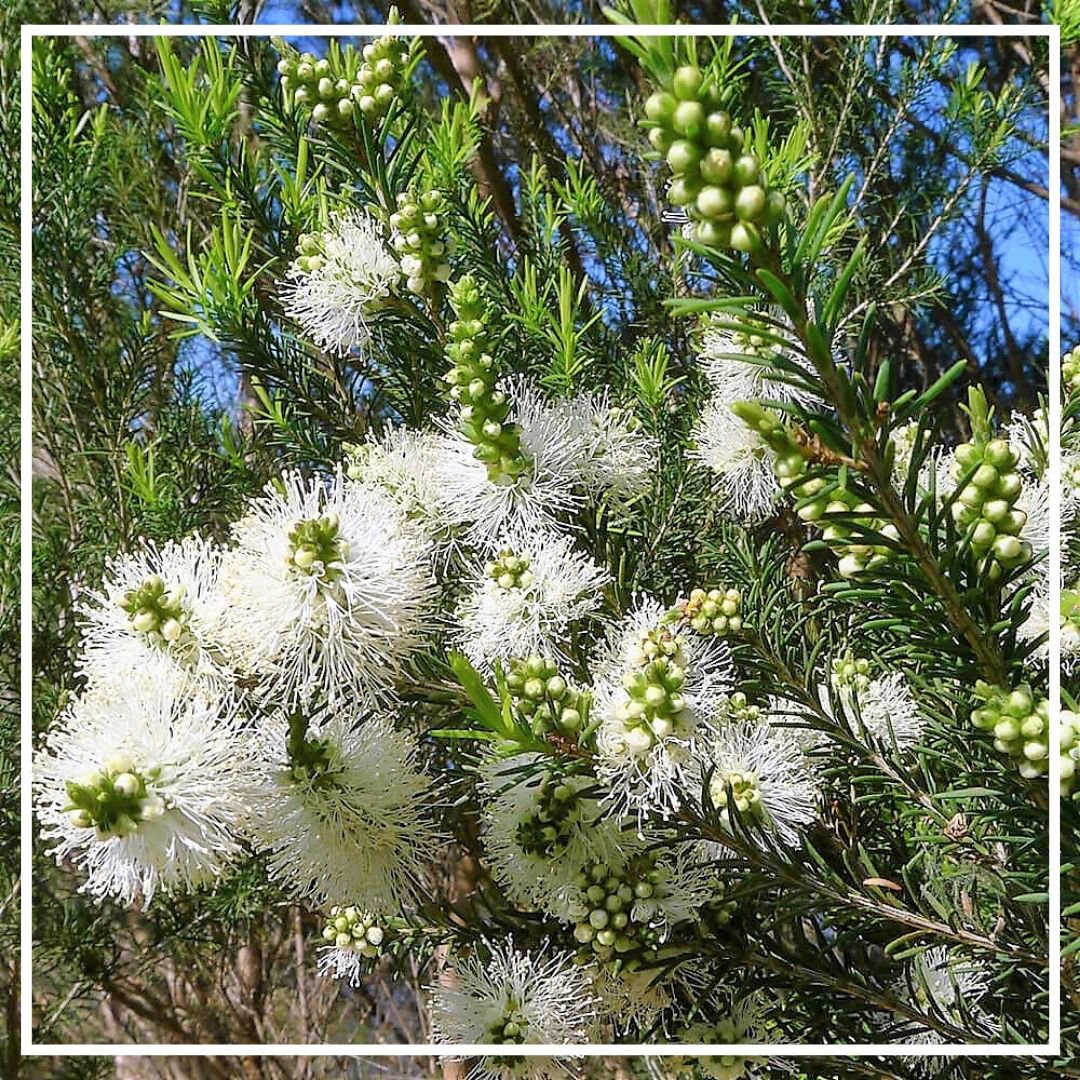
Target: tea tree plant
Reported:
[(610, 649)]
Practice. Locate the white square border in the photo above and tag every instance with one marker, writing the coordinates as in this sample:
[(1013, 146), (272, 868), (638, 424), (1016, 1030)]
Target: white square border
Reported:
[(31, 1049)]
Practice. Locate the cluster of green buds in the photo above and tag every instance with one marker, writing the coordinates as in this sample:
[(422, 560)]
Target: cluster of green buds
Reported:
[(355, 931), (510, 1028), (738, 790), (510, 571), (715, 612), (1070, 619), (817, 496), (419, 223), (989, 486), (115, 799), (1070, 750), (484, 408), (620, 902), (738, 710), (719, 909), (654, 707), (717, 179), (157, 611), (317, 548), (850, 673), (1019, 722), (543, 699), (725, 1032), (336, 85), (312, 254), (544, 830), (1070, 370)]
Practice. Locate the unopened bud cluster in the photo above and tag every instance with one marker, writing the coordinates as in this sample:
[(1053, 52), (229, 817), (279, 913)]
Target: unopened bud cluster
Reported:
[(738, 790), (334, 87), (1070, 750), (620, 904), (510, 1028), (157, 611), (1070, 370), (316, 547), (654, 708), (419, 225), (510, 571), (818, 498), (850, 673), (716, 612), (719, 909), (312, 253), (1019, 722), (543, 698), (718, 182), (985, 507), (738, 710), (355, 931), (544, 831), (484, 408), (115, 799)]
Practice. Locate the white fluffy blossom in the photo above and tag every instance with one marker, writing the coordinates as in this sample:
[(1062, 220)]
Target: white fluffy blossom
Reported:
[(721, 441), (332, 302), (646, 756), (505, 996), (524, 803), (761, 772), (404, 464), (542, 497), (528, 611), (153, 603), (936, 985), (741, 460), (146, 786), (743, 1021), (886, 709), (344, 810), (616, 455), (326, 589)]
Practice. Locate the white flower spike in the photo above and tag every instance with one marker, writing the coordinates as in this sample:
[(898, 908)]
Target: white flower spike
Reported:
[(145, 787), (326, 590), (329, 293)]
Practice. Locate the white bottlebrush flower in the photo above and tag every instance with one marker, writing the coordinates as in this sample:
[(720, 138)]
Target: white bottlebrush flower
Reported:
[(1029, 436), (344, 810), (936, 985), (616, 456), (402, 463), (153, 603), (542, 828), (331, 301), (520, 602), (739, 367), (548, 490), (354, 938), (1037, 624), (741, 460), (145, 787), (1034, 501), (511, 998), (885, 709), (657, 692), (761, 772), (326, 590), (743, 1022)]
